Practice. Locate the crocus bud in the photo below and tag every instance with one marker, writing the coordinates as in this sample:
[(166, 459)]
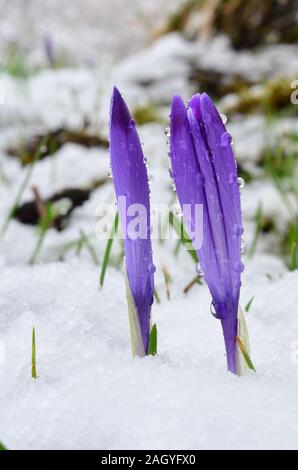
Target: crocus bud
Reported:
[(204, 171), (132, 193)]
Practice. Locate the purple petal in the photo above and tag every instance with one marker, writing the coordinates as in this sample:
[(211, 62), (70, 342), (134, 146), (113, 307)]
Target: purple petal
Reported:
[(131, 182), (189, 182), (215, 155)]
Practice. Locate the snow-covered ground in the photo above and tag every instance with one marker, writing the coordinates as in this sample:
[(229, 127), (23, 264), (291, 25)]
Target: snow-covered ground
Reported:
[(90, 393)]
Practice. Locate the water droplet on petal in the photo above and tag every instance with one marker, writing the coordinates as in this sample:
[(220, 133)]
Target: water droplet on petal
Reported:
[(167, 131), (200, 178), (241, 183), (238, 230), (173, 187), (220, 216), (151, 268), (232, 178), (207, 117), (178, 211), (110, 176), (204, 127), (199, 269), (131, 123), (212, 310), (242, 244), (210, 155), (182, 144), (239, 267), (224, 118), (225, 139)]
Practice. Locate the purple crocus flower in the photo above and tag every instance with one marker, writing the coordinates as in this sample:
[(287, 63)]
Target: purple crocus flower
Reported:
[(132, 192), (204, 172), (49, 49)]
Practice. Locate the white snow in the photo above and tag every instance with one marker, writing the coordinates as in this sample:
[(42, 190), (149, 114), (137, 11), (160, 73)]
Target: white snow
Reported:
[(91, 394)]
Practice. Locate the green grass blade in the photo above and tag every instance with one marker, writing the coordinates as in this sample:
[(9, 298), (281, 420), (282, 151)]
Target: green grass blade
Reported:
[(23, 186), (245, 354), (108, 249), (156, 296), (293, 263), (34, 371), (248, 305), (152, 344), (45, 224), (89, 247), (181, 232)]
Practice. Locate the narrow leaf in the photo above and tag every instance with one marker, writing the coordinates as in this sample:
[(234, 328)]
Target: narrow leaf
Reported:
[(2, 447), (245, 354), (23, 185), (152, 345), (89, 246), (34, 371), (181, 232), (108, 249), (248, 305)]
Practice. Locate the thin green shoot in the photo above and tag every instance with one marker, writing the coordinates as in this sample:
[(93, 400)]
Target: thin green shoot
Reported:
[(34, 370), (152, 344), (248, 305), (167, 280), (23, 186), (108, 249), (156, 296), (293, 262), (89, 246), (44, 225), (183, 236), (245, 354)]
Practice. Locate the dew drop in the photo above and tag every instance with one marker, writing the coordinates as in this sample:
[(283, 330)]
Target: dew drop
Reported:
[(210, 155), (179, 212), (204, 127), (110, 176), (238, 230), (239, 267), (225, 139), (224, 118), (131, 123), (151, 268), (207, 117), (242, 245), (232, 178), (212, 310), (171, 173), (182, 144), (167, 131), (173, 187), (199, 269), (200, 178), (241, 182)]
